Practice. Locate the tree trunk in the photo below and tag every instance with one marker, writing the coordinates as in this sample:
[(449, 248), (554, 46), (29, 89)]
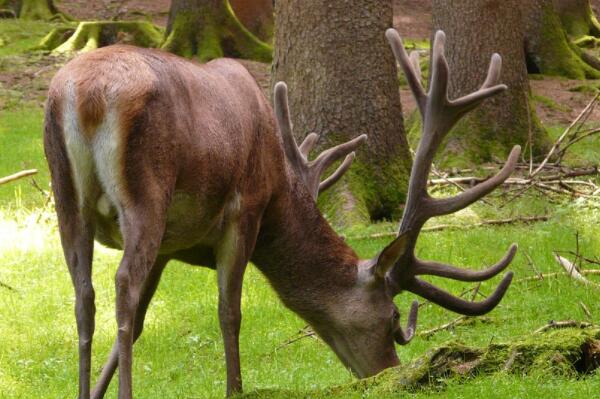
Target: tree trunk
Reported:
[(33, 9), (577, 17), (256, 16), (547, 46), (475, 30), (209, 29), (343, 82)]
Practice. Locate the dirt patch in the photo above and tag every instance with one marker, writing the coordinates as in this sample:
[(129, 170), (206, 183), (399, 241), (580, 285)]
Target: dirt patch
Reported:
[(157, 10), (412, 18)]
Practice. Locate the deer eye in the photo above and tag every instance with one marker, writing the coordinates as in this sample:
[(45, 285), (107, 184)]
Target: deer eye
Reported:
[(396, 316)]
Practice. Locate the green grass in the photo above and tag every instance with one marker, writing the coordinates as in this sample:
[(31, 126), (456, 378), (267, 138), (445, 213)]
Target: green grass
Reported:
[(180, 353), (21, 146), (19, 36)]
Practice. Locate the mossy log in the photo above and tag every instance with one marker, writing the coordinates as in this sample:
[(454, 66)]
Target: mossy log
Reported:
[(548, 48), (91, 35), (33, 10), (564, 353), (208, 29)]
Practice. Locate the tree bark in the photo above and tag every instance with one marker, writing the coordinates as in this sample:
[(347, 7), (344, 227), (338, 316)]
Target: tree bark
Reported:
[(209, 29), (342, 81), (548, 49), (256, 16), (33, 9), (577, 17), (475, 30)]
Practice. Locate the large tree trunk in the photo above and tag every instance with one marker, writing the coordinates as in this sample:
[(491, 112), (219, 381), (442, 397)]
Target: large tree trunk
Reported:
[(32, 9), (547, 46), (577, 17), (343, 83), (475, 30), (256, 16), (209, 29)]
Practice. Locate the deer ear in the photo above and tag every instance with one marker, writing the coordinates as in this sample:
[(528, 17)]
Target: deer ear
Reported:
[(390, 255)]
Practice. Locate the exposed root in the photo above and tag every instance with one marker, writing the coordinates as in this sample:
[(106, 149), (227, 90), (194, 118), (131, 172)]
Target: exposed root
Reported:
[(92, 35), (220, 34)]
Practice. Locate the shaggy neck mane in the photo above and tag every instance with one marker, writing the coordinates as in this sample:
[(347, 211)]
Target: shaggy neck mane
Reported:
[(300, 254)]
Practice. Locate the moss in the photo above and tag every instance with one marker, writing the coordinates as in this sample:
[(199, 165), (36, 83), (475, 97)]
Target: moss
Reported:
[(591, 88), (550, 103), (221, 34), (555, 54), (587, 41), (558, 353), (365, 195), (91, 35)]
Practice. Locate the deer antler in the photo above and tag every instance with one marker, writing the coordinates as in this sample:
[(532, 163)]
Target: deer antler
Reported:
[(311, 171), (439, 114)]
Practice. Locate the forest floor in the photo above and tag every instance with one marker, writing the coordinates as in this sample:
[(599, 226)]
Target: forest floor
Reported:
[(180, 353)]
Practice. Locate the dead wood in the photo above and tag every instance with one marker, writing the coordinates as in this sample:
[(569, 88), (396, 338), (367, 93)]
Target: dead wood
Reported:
[(494, 222), (18, 175), (563, 324)]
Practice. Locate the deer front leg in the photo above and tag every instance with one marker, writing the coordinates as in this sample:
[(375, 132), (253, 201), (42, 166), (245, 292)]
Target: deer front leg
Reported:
[(146, 295), (143, 230), (232, 257)]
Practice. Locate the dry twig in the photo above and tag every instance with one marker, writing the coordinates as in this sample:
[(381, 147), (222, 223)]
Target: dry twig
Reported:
[(562, 324), (18, 175)]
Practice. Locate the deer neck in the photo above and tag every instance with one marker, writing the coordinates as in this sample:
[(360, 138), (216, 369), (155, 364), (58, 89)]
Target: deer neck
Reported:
[(305, 261)]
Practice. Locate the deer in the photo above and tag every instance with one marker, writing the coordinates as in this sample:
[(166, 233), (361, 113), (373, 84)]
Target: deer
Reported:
[(166, 159)]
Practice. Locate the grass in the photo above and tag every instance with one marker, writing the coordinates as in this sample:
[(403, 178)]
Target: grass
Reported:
[(180, 352)]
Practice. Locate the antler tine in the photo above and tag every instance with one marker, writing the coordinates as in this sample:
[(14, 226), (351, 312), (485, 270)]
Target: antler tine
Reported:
[(445, 206), (450, 302), (439, 269), (416, 65), (310, 171), (404, 337), (412, 76), (308, 144), (489, 88), (282, 113), (339, 172), (440, 72)]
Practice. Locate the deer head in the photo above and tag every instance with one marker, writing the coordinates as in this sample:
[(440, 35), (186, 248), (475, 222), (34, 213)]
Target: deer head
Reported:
[(362, 324)]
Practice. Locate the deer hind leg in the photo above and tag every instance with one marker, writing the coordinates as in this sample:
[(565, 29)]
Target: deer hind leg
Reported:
[(74, 192), (143, 227), (232, 256), (146, 294)]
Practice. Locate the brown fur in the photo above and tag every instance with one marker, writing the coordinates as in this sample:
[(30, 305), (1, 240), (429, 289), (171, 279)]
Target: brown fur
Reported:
[(205, 133)]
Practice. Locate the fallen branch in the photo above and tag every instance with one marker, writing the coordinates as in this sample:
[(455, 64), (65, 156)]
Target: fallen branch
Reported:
[(18, 175), (573, 272), (543, 276), (459, 321), (564, 135), (563, 324), (493, 222)]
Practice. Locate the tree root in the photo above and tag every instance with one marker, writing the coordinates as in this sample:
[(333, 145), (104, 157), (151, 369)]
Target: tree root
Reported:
[(92, 35), (220, 35)]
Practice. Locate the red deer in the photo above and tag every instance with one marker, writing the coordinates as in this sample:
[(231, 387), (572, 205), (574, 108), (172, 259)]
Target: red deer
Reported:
[(167, 159)]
